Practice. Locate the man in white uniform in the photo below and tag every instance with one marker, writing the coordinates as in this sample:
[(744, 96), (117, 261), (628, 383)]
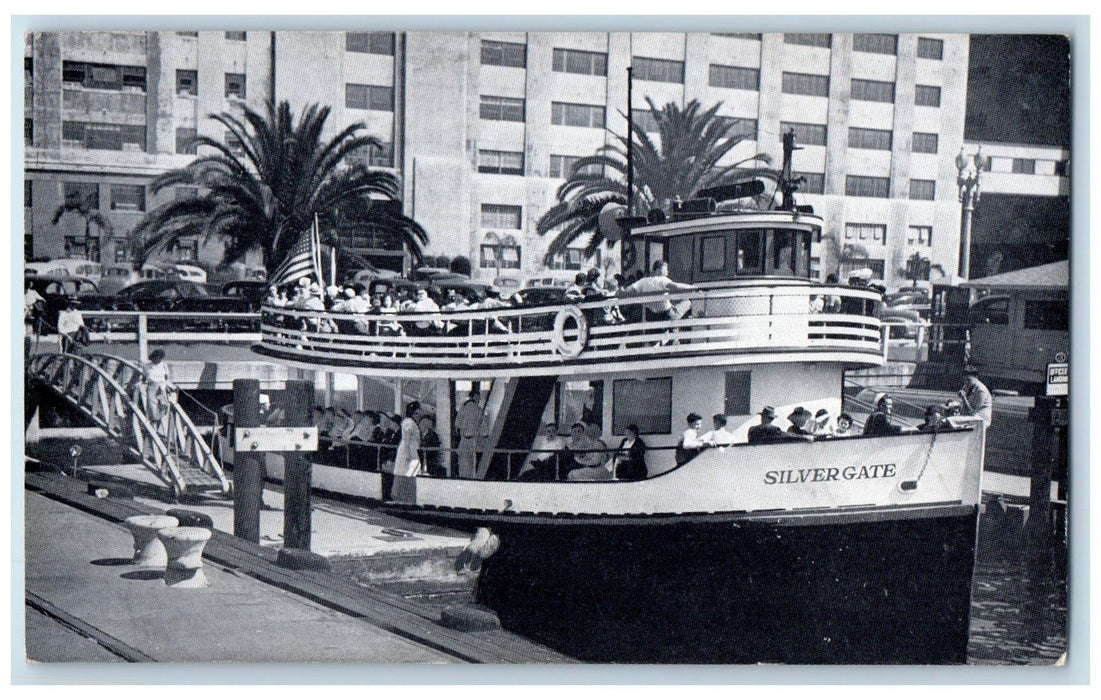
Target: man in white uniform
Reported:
[(468, 424)]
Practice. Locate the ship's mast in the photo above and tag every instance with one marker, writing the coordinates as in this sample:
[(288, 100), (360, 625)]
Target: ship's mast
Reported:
[(789, 185), (630, 150)]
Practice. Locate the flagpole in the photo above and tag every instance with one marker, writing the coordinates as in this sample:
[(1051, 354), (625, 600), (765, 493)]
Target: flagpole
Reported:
[(315, 244)]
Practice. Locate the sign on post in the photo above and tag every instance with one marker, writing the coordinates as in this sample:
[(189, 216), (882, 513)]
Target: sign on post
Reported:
[(1058, 378), (283, 439)]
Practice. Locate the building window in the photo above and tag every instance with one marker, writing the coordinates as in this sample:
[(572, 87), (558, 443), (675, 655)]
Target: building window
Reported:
[(382, 157), (104, 137), (733, 77), (923, 189), (873, 90), (740, 127), (806, 84), (868, 233), (930, 48), (927, 95), (573, 259), (501, 253), (924, 143), (645, 120), (815, 183), (562, 166), (378, 98), (1024, 166), (235, 36), (28, 131), (581, 62), (185, 140), (659, 70), (502, 216), (863, 186), (505, 109), (805, 134), (187, 34), (186, 193), (567, 114), (647, 403), (122, 251), (128, 197), (233, 144), (187, 82), (82, 248), (235, 85), (28, 194), (103, 76), (876, 43), (504, 53), (381, 43), (85, 192), (738, 35), (919, 235), (501, 162), (808, 39), (874, 139)]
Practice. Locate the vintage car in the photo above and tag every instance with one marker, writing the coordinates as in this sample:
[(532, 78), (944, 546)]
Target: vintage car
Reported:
[(174, 295), (253, 291), (57, 292)]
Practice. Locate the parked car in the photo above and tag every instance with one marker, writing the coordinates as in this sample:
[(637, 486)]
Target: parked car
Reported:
[(117, 277), (253, 291), (67, 267), (563, 278), (176, 295), (193, 273), (506, 284), (904, 323)]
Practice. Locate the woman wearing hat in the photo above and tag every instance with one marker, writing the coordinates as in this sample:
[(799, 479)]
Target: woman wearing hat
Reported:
[(879, 422), (799, 418)]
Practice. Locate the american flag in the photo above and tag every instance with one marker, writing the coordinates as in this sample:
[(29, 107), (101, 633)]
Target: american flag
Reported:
[(303, 260)]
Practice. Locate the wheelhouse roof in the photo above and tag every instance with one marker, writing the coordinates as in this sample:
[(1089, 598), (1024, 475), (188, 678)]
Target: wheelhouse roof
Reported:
[(777, 219)]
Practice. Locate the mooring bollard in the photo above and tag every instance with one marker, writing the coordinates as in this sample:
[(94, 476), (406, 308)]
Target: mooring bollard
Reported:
[(148, 550), (184, 547)]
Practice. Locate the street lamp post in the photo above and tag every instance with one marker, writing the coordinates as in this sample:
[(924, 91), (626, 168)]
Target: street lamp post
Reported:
[(968, 182)]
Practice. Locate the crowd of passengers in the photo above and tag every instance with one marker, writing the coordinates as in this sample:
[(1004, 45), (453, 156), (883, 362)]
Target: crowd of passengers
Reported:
[(366, 303)]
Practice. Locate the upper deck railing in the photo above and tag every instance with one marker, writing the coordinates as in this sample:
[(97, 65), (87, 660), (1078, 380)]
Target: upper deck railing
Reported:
[(774, 322)]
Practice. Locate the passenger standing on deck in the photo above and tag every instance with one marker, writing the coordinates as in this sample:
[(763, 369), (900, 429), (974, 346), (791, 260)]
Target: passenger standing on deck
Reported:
[(765, 431), (468, 425), (430, 447), (158, 386), (690, 443), (70, 324), (659, 283), (407, 460), (879, 422), (976, 398)]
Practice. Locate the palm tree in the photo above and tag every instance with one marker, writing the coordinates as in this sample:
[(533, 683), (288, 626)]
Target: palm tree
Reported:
[(261, 195), (692, 142), (838, 255), (86, 208)]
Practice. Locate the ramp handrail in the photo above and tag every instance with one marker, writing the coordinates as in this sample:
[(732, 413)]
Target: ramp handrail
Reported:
[(109, 390)]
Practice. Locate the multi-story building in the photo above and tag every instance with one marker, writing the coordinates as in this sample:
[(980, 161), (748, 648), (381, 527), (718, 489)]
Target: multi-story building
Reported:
[(482, 128)]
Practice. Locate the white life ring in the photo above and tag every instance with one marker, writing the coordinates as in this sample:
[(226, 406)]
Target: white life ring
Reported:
[(570, 348)]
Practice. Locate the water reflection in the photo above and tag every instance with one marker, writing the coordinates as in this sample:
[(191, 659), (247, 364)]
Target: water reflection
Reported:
[(1019, 601)]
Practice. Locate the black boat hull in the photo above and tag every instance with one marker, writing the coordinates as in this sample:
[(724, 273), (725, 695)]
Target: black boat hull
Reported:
[(860, 589)]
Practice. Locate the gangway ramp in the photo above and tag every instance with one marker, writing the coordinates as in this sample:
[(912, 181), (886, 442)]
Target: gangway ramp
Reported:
[(110, 391)]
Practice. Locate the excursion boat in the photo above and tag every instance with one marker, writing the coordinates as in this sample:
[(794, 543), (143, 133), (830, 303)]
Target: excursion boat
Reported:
[(839, 550)]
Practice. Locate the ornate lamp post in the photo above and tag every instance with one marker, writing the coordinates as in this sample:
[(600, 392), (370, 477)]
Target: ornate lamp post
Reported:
[(968, 182)]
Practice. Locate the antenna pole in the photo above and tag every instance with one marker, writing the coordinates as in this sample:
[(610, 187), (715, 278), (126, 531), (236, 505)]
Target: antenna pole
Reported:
[(788, 185), (630, 150)]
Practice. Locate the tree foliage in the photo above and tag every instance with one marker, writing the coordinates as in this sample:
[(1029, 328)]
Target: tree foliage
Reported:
[(685, 158), (262, 194)]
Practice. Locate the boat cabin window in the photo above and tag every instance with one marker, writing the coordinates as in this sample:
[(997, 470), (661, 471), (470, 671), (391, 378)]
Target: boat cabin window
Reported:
[(736, 400), (994, 311), (580, 401), (720, 255), (1045, 315), (648, 403)]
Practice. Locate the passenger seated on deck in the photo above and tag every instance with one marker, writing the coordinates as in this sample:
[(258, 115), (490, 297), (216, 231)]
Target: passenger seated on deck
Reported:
[(578, 446), (844, 426), (630, 458), (718, 436), (799, 419), (543, 460), (934, 420), (593, 461), (766, 432), (690, 443), (879, 422)]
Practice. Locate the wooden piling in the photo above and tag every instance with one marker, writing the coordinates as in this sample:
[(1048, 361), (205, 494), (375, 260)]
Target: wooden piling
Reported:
[(297, 518), (248, 470)]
